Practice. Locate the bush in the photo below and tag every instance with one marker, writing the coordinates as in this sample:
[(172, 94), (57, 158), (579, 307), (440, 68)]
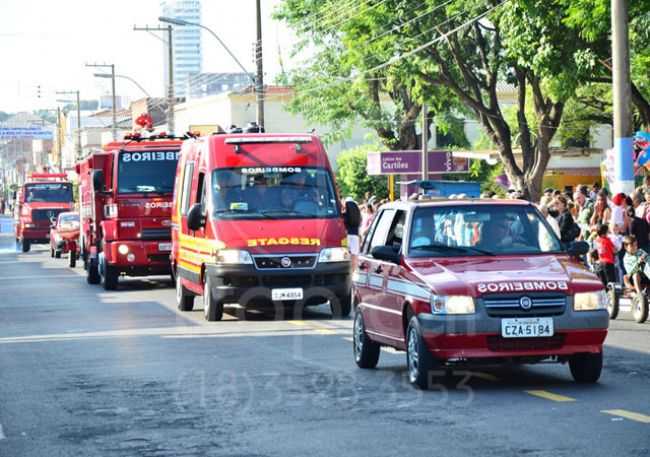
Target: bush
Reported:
[(353, 178)]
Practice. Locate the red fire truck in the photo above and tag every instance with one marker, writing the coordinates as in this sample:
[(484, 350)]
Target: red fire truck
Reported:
[(38, 203), (126, 199)]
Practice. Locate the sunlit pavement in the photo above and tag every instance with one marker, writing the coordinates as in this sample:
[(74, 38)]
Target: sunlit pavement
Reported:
[(123, 373)]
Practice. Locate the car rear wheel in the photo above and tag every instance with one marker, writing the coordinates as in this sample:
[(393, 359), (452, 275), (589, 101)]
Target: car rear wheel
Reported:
[(586, 368), (612, 302), (184, 299), (212, 309), (418, 358), (640, 308), (366, 351)]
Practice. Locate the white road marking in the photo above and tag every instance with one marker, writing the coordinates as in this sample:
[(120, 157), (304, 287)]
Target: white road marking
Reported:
[(32, 277)]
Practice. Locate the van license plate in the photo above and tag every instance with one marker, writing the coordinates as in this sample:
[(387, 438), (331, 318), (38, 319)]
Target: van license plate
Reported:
[(527, 327), (286, 294), (164, 246)]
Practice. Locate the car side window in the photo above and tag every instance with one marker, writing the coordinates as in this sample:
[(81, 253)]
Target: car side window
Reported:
[(187, 187), (382, 228), (396, 234)]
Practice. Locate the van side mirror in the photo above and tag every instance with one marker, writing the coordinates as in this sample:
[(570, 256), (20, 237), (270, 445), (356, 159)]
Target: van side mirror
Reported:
[(577, 248), (195, 217), (98, 181), (386, 253)]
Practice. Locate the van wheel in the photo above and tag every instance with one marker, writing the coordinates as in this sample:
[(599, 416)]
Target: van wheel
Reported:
[(366, 351), (586, 368), (418, 358), (57, 254), (72, 259), (25, 245), (92, 272), (184, 300), (640, 308), (212, 309), (341, 306), (612, 303)]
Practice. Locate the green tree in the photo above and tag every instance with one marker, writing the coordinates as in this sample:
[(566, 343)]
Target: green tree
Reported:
[(352, 177)]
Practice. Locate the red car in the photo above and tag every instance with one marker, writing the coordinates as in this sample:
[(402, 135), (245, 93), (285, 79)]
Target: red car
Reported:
[(475, 281), (64, 236)]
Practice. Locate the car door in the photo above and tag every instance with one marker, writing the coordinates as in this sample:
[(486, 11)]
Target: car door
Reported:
[(372, 271)]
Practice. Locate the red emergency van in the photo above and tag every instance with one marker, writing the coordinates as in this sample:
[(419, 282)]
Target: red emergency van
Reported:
[(126, 198), (38, 203), (475, 281), (257, 222)]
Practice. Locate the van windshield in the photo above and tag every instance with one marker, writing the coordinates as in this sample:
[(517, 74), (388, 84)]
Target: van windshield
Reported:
[(273, 193), (480, 230), (48, 192), (147, 171)]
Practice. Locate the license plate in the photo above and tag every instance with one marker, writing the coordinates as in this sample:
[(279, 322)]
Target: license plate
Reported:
[(527, 327), (286, 294), (164, 246)]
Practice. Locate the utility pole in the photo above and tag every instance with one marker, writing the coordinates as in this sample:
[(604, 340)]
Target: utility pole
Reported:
[(259, 79), (58, 137), (622, 92), (171, 98), (112, 67), (78, 100), (425, 143)]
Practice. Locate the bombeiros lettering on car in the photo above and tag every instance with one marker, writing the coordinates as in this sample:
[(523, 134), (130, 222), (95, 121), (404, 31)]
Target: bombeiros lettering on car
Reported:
[(153, 156), (522, 286), (283, 241)]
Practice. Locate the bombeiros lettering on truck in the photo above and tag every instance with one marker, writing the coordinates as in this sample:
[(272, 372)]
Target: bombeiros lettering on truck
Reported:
[(126, 191)]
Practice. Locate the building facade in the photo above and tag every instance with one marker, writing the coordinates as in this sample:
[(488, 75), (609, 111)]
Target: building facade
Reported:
[(186, 43)]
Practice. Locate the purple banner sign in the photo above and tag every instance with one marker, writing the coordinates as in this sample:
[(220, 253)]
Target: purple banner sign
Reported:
[(409, 162)]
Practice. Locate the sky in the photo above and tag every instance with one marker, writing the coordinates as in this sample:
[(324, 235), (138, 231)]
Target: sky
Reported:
[(48, 42)]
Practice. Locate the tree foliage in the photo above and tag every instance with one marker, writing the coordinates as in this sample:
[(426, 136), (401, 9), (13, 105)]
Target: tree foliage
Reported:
[(353, 178)]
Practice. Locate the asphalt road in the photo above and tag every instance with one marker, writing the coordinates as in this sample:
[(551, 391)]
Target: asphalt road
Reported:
[(85, 372)]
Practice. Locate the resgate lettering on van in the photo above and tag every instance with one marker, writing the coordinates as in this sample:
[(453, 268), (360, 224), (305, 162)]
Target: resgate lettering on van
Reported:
[(257, 221)]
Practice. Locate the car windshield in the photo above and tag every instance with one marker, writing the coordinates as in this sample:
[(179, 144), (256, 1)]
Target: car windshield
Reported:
[(475, 230), (48, 192), (146, 172), (273, 193)]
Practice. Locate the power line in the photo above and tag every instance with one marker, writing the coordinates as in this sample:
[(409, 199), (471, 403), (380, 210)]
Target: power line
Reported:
[(337, 24)]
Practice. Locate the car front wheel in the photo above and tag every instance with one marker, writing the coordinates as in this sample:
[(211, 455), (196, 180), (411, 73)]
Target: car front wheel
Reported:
[(418, 358), (212, 309)]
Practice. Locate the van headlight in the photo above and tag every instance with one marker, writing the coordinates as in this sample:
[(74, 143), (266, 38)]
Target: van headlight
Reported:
[(334, 255), (233, 257), (452, 304), (590, 301)]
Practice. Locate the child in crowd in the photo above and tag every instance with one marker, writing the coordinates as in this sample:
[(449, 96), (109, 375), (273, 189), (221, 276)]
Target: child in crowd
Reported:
[(635, 265), (606, 255)]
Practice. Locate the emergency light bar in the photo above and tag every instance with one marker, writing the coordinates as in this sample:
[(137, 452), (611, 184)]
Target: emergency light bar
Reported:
[(269, 139), (48, 176)]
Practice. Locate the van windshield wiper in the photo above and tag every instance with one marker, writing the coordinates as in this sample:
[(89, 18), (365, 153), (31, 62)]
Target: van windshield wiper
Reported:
[(445, 247)]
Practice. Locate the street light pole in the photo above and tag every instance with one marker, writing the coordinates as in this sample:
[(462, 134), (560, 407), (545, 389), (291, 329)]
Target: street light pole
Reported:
[(259, 86), (171, 97), (112, 67)]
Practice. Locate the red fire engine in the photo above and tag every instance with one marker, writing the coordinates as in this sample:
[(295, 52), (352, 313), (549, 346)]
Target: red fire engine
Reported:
[(38, 203), (126, 199)]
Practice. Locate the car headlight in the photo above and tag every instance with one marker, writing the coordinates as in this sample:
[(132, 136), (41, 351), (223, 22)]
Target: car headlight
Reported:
[(123, 249), (233, 257), (452, 304), (334, 255), (590, 301)]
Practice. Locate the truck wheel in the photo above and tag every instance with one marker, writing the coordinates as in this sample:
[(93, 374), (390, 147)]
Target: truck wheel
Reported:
[(57, 254), (342, 307), (92, 272), (212, 309), (72, 260), (640, 308), (25, 245), (612, 302), (110, 277), (366, 351), (418, 358), (586, 368), (184, 300)]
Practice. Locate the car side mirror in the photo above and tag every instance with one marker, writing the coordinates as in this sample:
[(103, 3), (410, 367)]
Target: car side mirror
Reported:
[(577, 248), (387, 253), (98, 181), (195, 217)]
